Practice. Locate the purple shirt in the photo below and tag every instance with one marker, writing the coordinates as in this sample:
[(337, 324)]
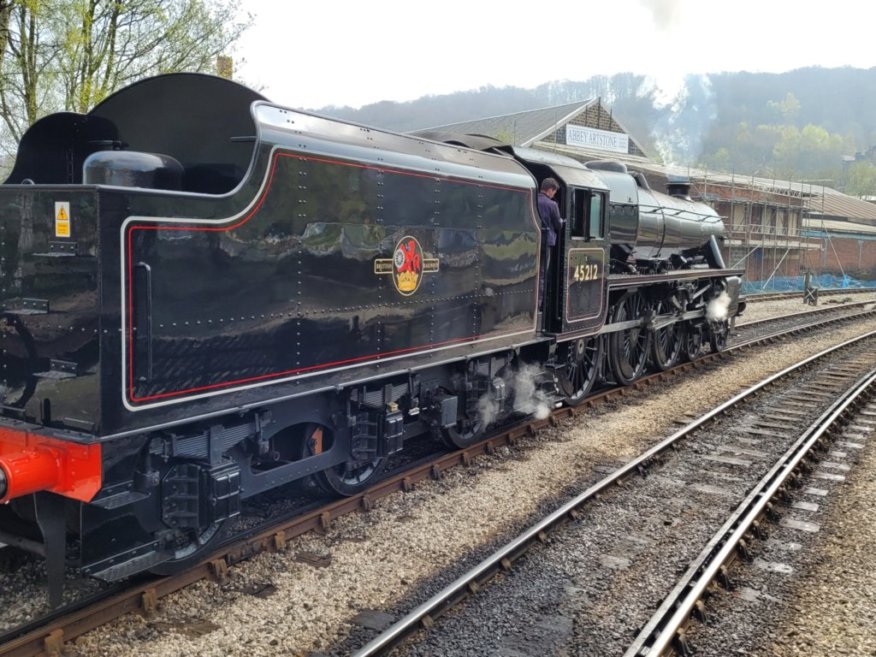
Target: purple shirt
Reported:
[(551, 222)]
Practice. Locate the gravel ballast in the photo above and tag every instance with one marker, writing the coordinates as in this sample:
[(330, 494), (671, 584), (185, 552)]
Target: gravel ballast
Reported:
[(809, 591), (835, 609)]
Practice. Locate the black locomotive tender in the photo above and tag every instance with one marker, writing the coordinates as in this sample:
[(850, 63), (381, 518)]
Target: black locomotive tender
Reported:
[(206, 296)]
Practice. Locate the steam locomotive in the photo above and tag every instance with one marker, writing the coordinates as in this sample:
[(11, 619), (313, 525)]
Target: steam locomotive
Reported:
[(206, 296)]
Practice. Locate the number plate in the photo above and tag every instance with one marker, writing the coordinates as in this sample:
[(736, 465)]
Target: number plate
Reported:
[(584, 284)]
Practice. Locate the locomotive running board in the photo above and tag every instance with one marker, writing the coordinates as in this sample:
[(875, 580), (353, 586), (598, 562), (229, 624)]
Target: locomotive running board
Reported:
[(625, 281)]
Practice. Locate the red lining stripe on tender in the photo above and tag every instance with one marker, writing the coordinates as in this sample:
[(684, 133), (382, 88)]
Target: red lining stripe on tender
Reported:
[(310, 368), (245, 219)]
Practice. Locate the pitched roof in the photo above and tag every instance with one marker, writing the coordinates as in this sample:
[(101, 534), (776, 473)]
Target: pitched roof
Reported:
[(520, 128), (821, 226), (827, 202), (546, 124)]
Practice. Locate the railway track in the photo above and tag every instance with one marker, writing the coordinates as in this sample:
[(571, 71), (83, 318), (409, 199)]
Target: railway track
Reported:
[(809, 590), (754, 329), (143, 596), (665, 631), (619, 541), (798, 294)]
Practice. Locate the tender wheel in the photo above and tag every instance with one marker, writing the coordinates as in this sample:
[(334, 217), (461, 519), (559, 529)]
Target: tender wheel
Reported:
[(693, 341), (191, 550), (478, 407), (628, 349), (465, 433), (189, 545), (718, 334), (580, 360), (667, 343), (346, 479)]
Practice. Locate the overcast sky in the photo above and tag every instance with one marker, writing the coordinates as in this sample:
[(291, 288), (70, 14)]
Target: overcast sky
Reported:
[(335, 52)]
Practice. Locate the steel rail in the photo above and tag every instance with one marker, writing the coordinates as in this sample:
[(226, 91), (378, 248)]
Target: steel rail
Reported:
[(782, 333), (423, 615), (818, 311), (662, 630), (798, 294)]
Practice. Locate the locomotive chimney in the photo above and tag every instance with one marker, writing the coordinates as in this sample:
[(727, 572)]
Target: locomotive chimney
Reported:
[(678, 186)]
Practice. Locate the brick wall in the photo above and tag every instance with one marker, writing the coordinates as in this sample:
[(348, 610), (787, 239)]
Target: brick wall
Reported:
[(853, 256)]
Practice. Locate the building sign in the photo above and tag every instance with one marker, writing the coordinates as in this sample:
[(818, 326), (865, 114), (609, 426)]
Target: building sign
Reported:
[(577, 135)]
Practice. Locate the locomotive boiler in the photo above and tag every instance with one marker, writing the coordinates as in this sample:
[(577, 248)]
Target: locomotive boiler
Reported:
[(206, 296)]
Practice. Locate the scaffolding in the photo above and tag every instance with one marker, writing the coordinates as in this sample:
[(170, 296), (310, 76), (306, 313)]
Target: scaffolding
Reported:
[(764, 221)]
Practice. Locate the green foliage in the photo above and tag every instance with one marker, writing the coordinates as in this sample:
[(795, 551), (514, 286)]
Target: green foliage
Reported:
[(861, 179), (71, 54), (787, 109), (812, 150), (799, 125), (776, 142)]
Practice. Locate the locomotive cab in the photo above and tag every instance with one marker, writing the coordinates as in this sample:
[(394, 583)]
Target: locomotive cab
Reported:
[(575, 290)]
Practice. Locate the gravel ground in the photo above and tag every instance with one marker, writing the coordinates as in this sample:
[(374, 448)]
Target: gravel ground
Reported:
[(835, 613), (23, 590), (808, 592), (305, 598)]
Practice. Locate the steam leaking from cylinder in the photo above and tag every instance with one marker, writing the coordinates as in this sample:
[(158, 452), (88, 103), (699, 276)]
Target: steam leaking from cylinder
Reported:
[(528, 399), (716, 311)]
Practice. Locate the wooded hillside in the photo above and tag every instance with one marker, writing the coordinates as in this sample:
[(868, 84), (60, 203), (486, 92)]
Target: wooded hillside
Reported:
[(807, 124)]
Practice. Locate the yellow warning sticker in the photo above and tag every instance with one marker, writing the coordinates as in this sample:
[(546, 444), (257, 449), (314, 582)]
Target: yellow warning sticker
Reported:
[(62, 219)]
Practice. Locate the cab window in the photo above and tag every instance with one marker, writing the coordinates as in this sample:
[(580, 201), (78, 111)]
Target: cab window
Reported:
[(594, 216), (587, 211)]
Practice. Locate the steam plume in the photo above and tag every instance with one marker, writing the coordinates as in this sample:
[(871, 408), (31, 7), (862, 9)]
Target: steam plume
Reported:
[(716, 311)]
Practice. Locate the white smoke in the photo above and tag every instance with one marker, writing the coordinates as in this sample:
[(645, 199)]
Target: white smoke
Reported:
[(683, 97), (528, 399), (716, 310), (666, 13), (488, 409), (687, 111)]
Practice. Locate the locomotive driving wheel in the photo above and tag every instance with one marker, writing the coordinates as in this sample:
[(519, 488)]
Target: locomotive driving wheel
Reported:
[(667, 342), (580, 367), (718, 334), (693, 341), (347, 478), (628, 348)]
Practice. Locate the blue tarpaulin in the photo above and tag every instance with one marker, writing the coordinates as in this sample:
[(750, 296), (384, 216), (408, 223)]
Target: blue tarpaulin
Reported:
[(792, 283)]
